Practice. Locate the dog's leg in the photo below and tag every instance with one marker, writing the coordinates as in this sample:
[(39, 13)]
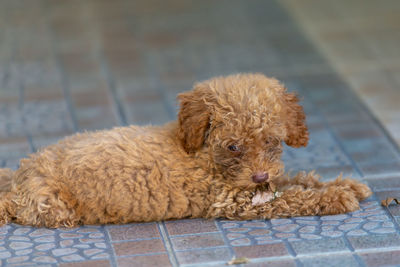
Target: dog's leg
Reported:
[(311, 180), (307, 180), (360, 190), (32, 201), (7, 207), (339, 196), (43, 208), (40, 204), (332, 198)]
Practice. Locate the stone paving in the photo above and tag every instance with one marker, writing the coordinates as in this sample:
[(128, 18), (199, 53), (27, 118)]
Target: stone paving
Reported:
[(27, 244), (370, 219), (68, 66), (360, 39)]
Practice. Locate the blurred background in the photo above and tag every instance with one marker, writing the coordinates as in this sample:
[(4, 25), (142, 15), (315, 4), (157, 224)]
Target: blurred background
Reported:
[(68, 66), (74, 65)]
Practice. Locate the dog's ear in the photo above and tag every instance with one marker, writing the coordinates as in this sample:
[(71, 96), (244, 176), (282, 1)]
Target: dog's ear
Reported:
[(297, 131), (194, 117)]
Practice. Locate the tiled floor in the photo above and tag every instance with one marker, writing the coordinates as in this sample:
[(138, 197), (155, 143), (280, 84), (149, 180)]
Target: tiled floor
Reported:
[(361, 40), (68, 66)]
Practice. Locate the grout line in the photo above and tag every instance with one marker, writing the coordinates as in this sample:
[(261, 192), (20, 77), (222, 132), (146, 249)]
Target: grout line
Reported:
[(194, 234), (67, 95), (355, 255), (128, 224), (349, 89), (358, 259), (107, 238), (30, 142), (60, 69), (201, 248), (21, 90), (347, 242), (374, 119), (324, 254), (386, 189), (156, 80), (365, 250), (371, 114), (112, 88), (21, 102), (332, 133), (393, 219), (335, 70), (382, 176), (226, 241), (167, 244), (211, 263), (298, 263), (143, 254), (133, 240), (153, 67), (289, 248)]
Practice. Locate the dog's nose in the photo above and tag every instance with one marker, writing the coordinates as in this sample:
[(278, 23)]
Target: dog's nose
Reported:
[(260, 177)]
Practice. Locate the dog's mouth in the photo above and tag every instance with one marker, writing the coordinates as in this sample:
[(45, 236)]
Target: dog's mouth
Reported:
[(265, 187), (264, 193)]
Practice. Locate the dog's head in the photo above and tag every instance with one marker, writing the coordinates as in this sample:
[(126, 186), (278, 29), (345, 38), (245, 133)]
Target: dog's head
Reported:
[(242, 120)]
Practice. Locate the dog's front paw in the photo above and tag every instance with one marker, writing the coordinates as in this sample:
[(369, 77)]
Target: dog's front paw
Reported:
[(360, 190), (338, 200)]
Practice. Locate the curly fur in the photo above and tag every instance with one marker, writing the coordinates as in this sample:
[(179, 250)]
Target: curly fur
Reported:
[(184, 169)]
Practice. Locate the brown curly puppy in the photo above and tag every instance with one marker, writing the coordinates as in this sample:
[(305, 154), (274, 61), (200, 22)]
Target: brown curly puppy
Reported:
[(225, 147)]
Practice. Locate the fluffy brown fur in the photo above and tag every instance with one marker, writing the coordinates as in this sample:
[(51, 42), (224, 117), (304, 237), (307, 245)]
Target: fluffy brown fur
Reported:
[(225, 146)]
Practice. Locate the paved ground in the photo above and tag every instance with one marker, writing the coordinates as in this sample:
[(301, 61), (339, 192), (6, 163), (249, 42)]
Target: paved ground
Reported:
[(68, 66), (361, 40)]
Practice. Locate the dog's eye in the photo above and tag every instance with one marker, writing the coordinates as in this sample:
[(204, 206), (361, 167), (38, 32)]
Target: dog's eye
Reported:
[(234, 148), (272, 141)]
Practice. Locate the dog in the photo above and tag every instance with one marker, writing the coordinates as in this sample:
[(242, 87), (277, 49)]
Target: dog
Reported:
[(220, 159)]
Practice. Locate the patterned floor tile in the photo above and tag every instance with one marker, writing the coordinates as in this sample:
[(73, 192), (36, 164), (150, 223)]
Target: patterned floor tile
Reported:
[(94, 263), (139, 247), (375, 241), (221, 255), (45, 246), (370, 219), (190, 227), (133, 231), (261, 251), (319, 246), (143, 261), (275, 263), (336, 260), (202, 240), (322, 152), (387, 258)]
